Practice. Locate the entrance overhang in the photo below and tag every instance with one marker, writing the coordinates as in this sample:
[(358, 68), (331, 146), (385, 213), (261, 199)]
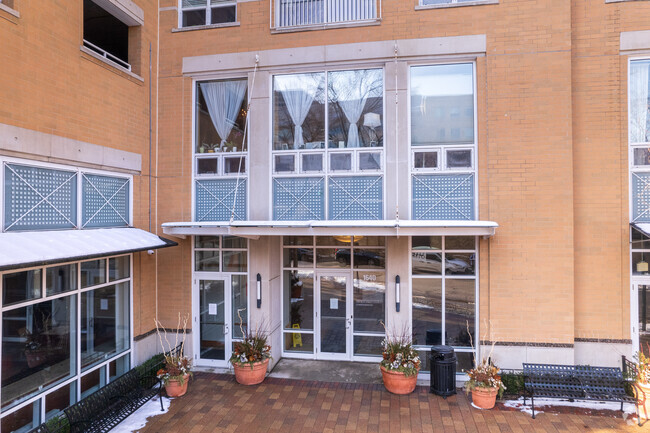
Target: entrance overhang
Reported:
[(255, 229)]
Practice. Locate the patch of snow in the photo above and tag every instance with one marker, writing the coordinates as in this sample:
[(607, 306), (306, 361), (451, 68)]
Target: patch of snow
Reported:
[(628, 408), (138, 419)]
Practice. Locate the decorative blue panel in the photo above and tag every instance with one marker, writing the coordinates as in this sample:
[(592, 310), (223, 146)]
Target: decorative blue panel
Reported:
[(215, 200), (298, 198), (356, 198), (641, 197), (105, 201), (443, 197), (39, 198)]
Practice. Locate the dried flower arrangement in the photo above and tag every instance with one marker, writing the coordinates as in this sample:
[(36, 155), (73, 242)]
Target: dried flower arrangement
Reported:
[(252, 348), (398, 353), (177, 365)]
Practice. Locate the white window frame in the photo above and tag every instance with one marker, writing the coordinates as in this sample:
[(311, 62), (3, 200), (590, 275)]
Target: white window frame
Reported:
[(79, 197), (75, 376), (208, 12), (476, 351)]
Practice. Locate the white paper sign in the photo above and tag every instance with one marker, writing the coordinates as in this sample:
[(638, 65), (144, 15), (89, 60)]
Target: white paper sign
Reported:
[(334, 304), (212, 309), (103, 304)]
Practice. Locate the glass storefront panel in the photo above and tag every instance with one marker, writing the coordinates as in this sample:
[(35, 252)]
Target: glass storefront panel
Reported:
[(119, 268), (104, 323), (298, 257), (93, 273), (58, 400), (206, 241), (298, 342), (239, 289), (333, 257), (60, 279), (235, 261), (333, 315), (92, 381), (21, 286), (206, 261), (38, 347), (369, 301), (424, 263), (299, 300), (119, 366), (640, 262), (212, 318), (234, 242), (460, 311), (426, 243), (369, 258), (365, 345), (427, 311), (22, 420), (460, 243), (459, 263), (298, 240)]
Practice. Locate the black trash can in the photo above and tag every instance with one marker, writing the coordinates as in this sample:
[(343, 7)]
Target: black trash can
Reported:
[(442, 364)]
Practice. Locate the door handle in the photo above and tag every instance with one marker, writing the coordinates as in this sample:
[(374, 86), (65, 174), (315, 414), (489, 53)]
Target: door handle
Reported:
[(226, 331)]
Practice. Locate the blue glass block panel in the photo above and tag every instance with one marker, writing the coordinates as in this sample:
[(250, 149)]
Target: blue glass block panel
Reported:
[(39, 198), (105, 201), (641, 197), (215, 199), (356, 198), (443, 197), (298, 199)]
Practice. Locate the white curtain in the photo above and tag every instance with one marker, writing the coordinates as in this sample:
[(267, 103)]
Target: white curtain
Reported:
[(638, 101), (298, 92), (224, 99), (351, 90)]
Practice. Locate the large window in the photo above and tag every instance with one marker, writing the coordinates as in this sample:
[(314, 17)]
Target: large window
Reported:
[(639, 139), (328, 145), (206, 12), (221, 150), (443, 142), (41, 339), (444, 294)]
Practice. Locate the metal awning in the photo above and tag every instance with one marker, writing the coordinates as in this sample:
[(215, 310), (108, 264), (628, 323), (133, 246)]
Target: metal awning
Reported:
[(38, 248), (643, 228), (255, 229)]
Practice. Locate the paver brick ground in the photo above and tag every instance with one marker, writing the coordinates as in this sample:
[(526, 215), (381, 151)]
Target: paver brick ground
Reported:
[(216, 403)]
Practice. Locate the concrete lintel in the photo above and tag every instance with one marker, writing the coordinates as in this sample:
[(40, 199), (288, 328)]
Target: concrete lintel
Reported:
[(340, 53), (633, 41), (16, 141), (124, 10)]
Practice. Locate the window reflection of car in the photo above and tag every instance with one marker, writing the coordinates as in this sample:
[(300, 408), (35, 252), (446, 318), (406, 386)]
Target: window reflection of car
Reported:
[(361, 257), (432, 262)]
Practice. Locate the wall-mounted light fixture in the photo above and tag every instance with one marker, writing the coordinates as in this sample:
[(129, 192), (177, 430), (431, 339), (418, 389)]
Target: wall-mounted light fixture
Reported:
[(259, 291), (397, 297)]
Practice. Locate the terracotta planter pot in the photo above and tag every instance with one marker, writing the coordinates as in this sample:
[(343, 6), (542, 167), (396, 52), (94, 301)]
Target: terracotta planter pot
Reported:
[(643, 398), (175, 389), (397, 382), (484, 398), (251, 376)]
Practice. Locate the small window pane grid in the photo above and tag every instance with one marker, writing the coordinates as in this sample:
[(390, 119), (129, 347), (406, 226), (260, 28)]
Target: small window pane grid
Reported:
[(441, 276), (443, 197), (364, 257), (48, 198), (207, 12), (105, 201), (218, 199), (37, 324), (221, 164)]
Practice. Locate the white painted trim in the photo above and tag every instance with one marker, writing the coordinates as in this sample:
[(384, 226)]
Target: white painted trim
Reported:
[(470, 45), (454, 4), (124, 10)]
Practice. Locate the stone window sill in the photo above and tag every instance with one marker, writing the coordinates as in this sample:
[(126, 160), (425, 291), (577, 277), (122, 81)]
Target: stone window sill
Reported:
[(89, 54), (8, 13), (211, 26), (457, 5), (621, 1)]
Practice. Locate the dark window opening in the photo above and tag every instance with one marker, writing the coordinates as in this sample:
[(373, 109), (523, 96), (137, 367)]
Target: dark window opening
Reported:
[(105, 34)]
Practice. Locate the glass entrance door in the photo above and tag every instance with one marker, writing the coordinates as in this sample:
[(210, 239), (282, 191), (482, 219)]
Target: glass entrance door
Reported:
[(334, 316), (641, 320), (214, 339)]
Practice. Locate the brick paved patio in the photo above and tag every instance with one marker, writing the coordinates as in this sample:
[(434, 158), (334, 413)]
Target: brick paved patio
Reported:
[(216, 403)]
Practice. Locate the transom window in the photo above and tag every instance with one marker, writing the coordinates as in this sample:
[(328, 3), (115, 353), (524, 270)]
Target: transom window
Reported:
[(444, 294), (206, 12), (65, 333)]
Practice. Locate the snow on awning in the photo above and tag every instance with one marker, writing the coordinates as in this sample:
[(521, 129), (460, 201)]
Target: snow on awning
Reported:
[(38, 248), (643, 228), (254, 229)]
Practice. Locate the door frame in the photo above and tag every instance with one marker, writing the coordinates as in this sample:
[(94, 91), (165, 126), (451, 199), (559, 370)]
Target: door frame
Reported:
[(348, 315), (196, 318)]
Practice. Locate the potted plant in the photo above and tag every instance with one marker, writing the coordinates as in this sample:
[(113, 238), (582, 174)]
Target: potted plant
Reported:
[(400, 363), (250, 356), (485, 384), (642, 382), (177, 370)]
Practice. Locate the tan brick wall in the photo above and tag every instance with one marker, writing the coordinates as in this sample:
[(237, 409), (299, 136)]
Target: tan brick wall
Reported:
[(48, 84)]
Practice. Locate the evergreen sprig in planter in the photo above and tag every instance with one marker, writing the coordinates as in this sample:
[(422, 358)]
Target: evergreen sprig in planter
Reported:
[(485, 384), (400, 364), (176, 373), (250, 357)]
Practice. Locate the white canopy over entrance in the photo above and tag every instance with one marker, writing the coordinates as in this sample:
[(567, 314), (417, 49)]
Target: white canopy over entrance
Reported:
[(255, 229)]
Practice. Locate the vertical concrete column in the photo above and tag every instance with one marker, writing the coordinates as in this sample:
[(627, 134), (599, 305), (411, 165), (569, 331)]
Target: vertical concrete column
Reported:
[(396, 118), (259, 168), (398, 263), (264, 254)]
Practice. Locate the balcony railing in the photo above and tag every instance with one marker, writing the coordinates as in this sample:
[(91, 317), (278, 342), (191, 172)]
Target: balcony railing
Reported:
[(304, 13)]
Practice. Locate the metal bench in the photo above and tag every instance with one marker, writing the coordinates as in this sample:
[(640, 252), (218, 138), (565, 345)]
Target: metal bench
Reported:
[(575, 382)]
